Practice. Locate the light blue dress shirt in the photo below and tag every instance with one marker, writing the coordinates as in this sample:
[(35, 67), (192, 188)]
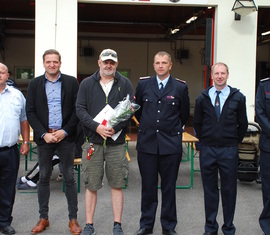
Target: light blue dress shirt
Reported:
[(164, 81), (53, 92), (12, 113), (222, 96)]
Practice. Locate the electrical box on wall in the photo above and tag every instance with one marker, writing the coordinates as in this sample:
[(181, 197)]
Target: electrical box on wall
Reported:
[(182, 54), (87, 51)]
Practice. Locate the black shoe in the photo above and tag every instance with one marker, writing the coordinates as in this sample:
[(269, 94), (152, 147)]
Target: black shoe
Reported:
[(144, 231), (169, 232), (210, 233), (7, 230)]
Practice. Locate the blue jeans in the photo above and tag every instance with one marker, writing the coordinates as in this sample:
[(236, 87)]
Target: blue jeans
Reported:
[(66, 153)]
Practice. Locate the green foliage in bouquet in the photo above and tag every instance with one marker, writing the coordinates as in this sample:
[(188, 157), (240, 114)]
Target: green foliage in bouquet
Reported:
[(122, 112)]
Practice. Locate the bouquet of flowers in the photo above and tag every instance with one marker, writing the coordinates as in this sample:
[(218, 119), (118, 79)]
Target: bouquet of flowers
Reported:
[(122, 112)]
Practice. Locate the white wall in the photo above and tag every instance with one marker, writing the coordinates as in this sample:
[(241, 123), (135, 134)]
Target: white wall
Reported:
[(56, 28)]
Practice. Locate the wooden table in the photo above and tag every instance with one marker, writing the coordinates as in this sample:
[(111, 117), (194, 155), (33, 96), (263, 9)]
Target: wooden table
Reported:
[(189, 140)]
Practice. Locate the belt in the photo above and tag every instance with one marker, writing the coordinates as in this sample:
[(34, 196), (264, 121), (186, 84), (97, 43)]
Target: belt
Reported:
[(6, 148), (52, 130)]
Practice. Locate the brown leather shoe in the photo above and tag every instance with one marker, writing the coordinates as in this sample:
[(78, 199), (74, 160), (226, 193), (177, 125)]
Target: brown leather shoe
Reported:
[(74, 227), (41, 225)]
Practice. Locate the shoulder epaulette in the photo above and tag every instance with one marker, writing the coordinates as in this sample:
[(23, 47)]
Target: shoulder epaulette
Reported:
[(265, 79), (179, 80), (147, 77)]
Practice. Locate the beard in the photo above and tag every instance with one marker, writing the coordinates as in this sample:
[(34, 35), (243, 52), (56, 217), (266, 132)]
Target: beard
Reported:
[(108, 72)]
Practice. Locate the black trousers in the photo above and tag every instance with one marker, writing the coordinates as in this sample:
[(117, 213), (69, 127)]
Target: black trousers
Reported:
[(167, 166), (66, 153), (33, 174), (265, 176), (9, 166), (222, 160)]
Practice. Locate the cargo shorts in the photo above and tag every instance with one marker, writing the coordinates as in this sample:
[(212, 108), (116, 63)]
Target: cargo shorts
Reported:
[(111, 158)]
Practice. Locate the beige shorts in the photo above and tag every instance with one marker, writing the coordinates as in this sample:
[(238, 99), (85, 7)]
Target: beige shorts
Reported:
[(112, 157)]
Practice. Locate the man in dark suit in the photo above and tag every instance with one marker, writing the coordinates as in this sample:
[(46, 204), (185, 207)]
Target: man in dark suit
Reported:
[(50, 107), (220, 123), (164, 111), (263, 118)]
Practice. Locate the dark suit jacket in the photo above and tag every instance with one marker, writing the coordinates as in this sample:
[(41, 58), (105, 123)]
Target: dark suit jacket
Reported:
[(37, 107), (262, 108), (161, 116)]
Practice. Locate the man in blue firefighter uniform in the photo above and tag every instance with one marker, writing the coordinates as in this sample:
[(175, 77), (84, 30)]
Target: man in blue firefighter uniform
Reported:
[(263, 118), (220, 122), (164, 111)]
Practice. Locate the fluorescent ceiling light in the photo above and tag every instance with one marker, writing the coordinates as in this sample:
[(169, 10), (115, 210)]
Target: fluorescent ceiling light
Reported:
[(265, 33), (191, 19), (173, 31)]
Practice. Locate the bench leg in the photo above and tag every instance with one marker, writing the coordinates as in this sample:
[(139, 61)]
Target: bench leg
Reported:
[(79, 178)]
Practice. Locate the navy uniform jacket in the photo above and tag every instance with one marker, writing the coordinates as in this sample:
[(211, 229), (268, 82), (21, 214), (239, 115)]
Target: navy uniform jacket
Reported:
[(263, 113), (161, 116), (229, 129)]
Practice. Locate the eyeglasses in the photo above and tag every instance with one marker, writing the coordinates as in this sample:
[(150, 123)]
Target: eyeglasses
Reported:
[(109, 54)]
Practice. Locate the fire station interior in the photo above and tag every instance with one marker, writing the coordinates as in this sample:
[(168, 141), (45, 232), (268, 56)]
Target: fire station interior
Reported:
[(136, 32)]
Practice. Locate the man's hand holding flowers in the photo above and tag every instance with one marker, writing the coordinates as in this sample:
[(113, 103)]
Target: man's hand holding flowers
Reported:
[(105, 131), (122, 112)]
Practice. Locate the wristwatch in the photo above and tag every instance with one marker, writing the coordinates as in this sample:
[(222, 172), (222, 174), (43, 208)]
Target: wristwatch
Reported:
[(26, 142)]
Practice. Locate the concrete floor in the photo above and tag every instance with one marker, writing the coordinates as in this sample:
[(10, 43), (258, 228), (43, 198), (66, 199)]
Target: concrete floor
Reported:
[(190, 207)]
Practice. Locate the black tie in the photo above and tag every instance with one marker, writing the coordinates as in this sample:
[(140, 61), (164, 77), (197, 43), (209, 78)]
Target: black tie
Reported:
[(161, 87), (217, 104)]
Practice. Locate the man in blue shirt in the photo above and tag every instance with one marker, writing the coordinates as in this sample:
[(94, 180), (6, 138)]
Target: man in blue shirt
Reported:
[(51, 113), (220, 123), (13, 121)]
